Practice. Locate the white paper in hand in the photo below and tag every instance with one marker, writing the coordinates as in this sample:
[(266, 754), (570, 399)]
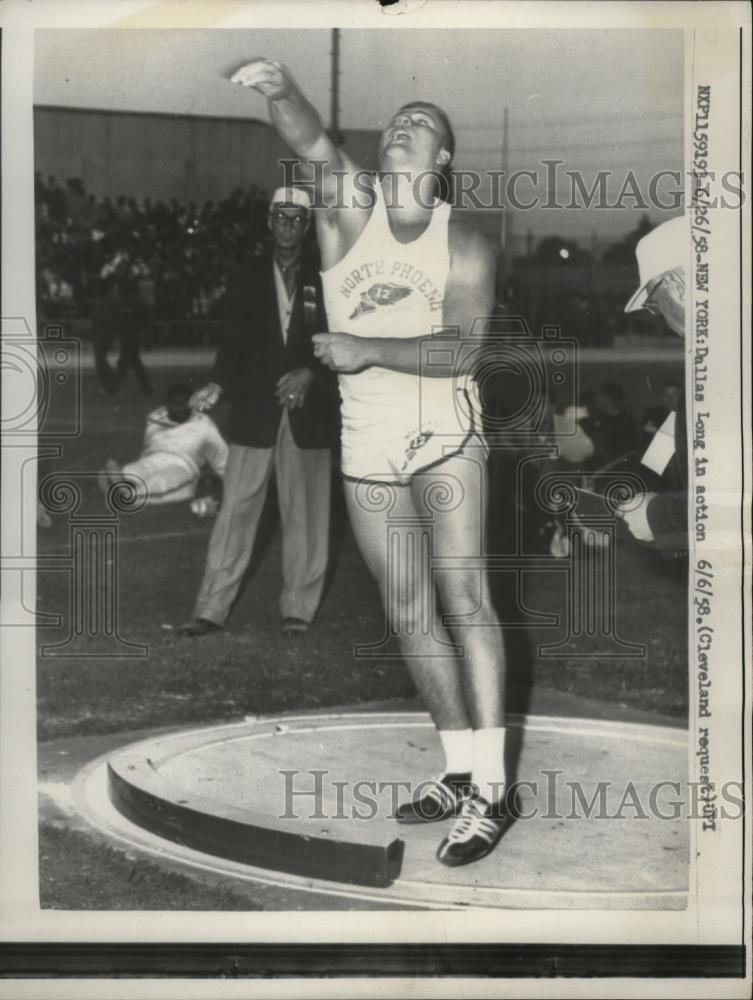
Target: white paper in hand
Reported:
[(662, 447)]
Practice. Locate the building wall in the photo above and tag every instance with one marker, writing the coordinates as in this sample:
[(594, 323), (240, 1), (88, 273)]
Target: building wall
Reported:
[(165, 156)]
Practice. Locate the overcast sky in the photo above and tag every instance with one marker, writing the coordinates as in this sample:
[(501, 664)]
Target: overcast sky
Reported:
[(599, 100)]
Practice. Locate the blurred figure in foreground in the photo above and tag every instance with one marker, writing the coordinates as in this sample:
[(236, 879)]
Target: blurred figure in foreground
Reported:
[(662, 518)]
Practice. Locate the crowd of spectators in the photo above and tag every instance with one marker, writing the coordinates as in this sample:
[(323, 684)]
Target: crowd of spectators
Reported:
[(176, 254)]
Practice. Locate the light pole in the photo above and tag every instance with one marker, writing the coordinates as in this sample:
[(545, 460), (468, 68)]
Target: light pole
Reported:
[(504, 222), (334, 107)]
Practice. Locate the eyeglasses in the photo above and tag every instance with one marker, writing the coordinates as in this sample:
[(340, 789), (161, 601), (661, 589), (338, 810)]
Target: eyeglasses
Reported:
[(297, 221), (649, 305)]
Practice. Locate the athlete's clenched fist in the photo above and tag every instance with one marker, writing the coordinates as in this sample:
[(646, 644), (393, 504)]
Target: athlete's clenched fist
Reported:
[(270, 78), (342, 352)]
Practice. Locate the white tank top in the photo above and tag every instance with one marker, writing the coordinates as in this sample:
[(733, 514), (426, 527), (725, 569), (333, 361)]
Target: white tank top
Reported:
[(384, 288)]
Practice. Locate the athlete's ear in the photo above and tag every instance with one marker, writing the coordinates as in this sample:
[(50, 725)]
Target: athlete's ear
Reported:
[(443, 157)]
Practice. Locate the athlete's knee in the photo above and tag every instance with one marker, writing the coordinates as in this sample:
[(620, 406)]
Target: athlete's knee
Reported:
[(463, 593)]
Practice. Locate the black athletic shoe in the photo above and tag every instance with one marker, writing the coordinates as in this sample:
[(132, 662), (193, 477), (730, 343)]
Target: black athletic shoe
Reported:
[(436, 799), (475, 833), (198, 627)]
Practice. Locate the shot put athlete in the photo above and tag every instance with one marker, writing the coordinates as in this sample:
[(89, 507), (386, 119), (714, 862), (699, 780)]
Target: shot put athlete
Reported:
[(398, 268)]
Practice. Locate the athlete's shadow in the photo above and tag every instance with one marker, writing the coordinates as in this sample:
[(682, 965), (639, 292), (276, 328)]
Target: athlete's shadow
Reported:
[(503, 538), (338, 531)]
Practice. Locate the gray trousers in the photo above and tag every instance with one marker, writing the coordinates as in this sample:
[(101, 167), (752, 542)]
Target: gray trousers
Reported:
[(303, 488)]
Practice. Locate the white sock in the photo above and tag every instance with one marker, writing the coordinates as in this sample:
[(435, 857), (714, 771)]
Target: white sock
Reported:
[(458, 749), (489, 762)]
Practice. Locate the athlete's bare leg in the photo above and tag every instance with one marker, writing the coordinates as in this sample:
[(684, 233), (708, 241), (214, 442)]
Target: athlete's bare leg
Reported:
[(452, 498), (434, 672), (454, 495)]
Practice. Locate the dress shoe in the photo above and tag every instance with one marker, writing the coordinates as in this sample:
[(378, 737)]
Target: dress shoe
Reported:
[(294, 626), (198, 627)]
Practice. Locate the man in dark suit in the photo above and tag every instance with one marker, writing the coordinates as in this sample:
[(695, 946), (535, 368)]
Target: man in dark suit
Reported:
[(283, 413)]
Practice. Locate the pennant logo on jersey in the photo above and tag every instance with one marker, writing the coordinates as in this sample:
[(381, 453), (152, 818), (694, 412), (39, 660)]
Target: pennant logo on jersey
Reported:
[(383, 293), (413, 446)]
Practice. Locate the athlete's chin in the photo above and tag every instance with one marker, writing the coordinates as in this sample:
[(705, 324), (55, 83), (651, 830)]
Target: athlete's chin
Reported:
[(395, 157)]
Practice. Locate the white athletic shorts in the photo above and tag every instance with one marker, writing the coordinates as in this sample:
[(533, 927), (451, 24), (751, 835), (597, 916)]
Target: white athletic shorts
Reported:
[(390, 455), (395, 424)]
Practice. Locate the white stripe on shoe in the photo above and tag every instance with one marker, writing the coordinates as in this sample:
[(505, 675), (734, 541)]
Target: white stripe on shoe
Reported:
[(473, 823)]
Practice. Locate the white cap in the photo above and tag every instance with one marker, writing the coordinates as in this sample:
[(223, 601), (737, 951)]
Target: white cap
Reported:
[(291, 196), (663, 249)]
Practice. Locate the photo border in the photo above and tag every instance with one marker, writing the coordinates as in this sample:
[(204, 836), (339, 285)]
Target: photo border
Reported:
[(723, 961)]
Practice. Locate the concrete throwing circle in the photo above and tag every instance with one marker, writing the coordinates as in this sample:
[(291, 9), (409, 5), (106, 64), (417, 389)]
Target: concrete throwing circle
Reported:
[(306, 802)]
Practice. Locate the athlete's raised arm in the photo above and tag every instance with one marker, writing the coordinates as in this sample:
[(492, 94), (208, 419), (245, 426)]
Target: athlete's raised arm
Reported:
[(298, 123)]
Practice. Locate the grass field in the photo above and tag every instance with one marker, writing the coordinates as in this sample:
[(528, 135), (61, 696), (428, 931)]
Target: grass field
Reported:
[(115, 881), (250, 668)]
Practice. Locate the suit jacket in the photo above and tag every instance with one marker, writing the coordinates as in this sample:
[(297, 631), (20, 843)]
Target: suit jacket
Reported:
[(253, 356)]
